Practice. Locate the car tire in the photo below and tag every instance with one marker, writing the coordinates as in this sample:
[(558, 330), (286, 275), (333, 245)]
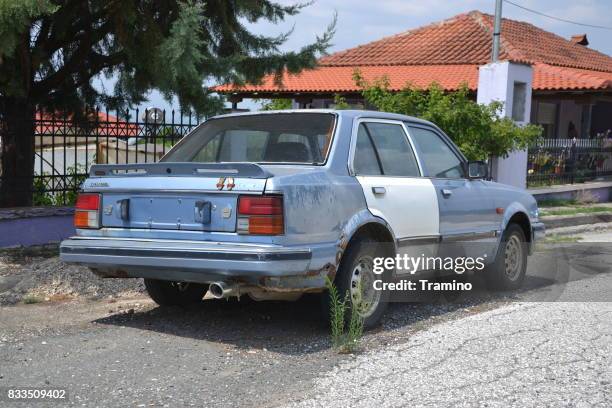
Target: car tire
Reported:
[(358, 254), (508, 270), (169, 293)]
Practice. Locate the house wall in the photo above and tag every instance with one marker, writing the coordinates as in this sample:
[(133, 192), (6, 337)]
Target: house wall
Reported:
[(601, 118), (589, 119), (510, 84), (570, 111)]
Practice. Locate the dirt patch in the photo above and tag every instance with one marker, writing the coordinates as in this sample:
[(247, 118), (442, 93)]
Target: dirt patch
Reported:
[(33, 279)]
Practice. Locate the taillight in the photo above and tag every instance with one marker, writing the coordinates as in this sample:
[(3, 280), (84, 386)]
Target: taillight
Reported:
[(87, 211), (260, 215)]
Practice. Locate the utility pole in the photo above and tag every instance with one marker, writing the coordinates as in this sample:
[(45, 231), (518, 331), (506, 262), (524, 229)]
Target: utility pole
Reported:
[(497, 30)]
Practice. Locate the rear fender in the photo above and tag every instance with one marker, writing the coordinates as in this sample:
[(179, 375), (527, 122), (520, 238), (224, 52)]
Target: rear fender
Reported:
[(352, 227)]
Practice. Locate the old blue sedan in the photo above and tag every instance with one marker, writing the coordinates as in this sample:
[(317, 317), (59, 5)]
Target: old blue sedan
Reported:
[(270, 204)]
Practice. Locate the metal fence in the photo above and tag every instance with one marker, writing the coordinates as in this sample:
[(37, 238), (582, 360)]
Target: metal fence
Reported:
[(66, 147), (568, 161)]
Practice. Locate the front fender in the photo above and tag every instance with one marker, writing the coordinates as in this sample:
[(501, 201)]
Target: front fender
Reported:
[(514, 208)]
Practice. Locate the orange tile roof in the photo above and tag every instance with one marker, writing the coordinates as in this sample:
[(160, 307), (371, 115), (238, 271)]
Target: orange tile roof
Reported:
[(449, 52), (340, 79), (549, 78), (60, 124)]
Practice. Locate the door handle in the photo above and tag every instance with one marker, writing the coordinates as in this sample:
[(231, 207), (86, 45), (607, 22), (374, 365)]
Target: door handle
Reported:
[(446, 192), (379, 190)]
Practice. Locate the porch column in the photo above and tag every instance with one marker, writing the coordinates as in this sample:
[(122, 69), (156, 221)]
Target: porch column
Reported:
[(585, 124), (235, 99), (509, 83), (303, 101)]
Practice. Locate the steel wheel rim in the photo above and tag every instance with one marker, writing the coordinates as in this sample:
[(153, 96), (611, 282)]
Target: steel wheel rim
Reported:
[(362, 277), (513, 258)]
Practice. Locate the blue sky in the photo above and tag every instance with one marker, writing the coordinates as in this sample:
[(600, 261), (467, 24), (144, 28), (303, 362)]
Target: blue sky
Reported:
[(362, 21)]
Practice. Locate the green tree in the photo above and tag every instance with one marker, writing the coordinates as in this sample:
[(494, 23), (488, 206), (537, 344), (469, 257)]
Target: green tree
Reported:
[(276, 104), (340, 102), (51, 50), (480, 131)]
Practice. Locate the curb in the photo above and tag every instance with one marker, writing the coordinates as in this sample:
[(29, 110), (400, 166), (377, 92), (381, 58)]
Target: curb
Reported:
[(561, 221), (44, 251), (579, 229)]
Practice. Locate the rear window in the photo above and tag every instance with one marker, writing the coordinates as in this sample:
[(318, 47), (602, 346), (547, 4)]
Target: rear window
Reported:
[(267, 138)]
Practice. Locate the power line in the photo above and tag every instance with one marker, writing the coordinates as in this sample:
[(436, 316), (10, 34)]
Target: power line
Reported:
[(557, 18)]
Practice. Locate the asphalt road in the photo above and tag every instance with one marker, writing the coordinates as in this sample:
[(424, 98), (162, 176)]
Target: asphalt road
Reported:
[(523, 355), (549, 344)]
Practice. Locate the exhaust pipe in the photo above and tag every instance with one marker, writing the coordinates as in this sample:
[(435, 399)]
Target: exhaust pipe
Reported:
[(221, 290)]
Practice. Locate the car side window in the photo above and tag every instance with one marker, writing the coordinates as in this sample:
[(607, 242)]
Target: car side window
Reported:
[(395, 154), (366, 162), (437, 157)]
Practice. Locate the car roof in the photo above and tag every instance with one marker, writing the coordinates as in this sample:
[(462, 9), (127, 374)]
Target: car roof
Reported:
[(345, 113)]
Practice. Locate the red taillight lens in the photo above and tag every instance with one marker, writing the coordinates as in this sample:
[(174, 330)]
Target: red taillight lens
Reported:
[(87, 211), (260, 215), (88, 202), (251, 205)]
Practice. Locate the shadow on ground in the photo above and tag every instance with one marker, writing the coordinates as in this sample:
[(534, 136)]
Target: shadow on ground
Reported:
[(298, 327)]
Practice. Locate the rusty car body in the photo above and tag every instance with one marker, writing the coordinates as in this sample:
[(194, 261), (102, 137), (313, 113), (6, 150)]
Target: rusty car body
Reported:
[(269, 203)]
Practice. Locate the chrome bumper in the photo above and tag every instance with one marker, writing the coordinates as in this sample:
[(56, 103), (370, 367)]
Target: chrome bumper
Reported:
[(184, 260)]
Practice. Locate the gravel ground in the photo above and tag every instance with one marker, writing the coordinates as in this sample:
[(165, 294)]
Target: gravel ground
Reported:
[(477, 349), (36, 279), (535, 354), (128, 352)]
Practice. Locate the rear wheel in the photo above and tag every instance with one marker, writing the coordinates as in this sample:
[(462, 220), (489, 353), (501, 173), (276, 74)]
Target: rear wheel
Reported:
[(169, 293), (508, 271), (354, 281)]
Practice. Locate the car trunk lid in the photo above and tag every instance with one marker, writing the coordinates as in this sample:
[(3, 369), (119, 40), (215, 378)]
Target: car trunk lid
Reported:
[(174, 196)]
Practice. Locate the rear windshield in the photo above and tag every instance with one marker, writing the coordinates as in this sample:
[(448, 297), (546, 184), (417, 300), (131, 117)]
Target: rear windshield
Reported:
[(266, 138)]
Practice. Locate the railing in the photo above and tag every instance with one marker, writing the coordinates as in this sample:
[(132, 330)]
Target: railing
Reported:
[(568, 161), (66, 147)]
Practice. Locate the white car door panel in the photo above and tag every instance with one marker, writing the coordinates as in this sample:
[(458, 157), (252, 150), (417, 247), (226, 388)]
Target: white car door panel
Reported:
[(389, 173), (408, 205)]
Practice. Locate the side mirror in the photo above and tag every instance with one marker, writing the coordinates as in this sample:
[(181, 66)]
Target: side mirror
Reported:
[(478, 170)]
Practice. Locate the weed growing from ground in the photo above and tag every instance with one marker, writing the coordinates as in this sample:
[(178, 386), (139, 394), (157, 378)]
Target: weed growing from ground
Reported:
[(344, 341)]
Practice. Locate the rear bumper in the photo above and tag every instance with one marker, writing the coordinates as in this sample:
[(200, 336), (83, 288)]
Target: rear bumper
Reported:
[(190, 260)]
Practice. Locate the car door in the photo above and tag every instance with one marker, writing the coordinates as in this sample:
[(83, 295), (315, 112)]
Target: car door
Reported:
[(467, 212), (386, 166)]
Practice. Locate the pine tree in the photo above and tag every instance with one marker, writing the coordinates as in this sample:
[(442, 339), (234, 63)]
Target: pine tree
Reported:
[(51, 50)]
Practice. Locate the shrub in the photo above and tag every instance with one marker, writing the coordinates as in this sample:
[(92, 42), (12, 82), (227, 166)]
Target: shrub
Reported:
[(479, 130), (75, 176), (277, 104)]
